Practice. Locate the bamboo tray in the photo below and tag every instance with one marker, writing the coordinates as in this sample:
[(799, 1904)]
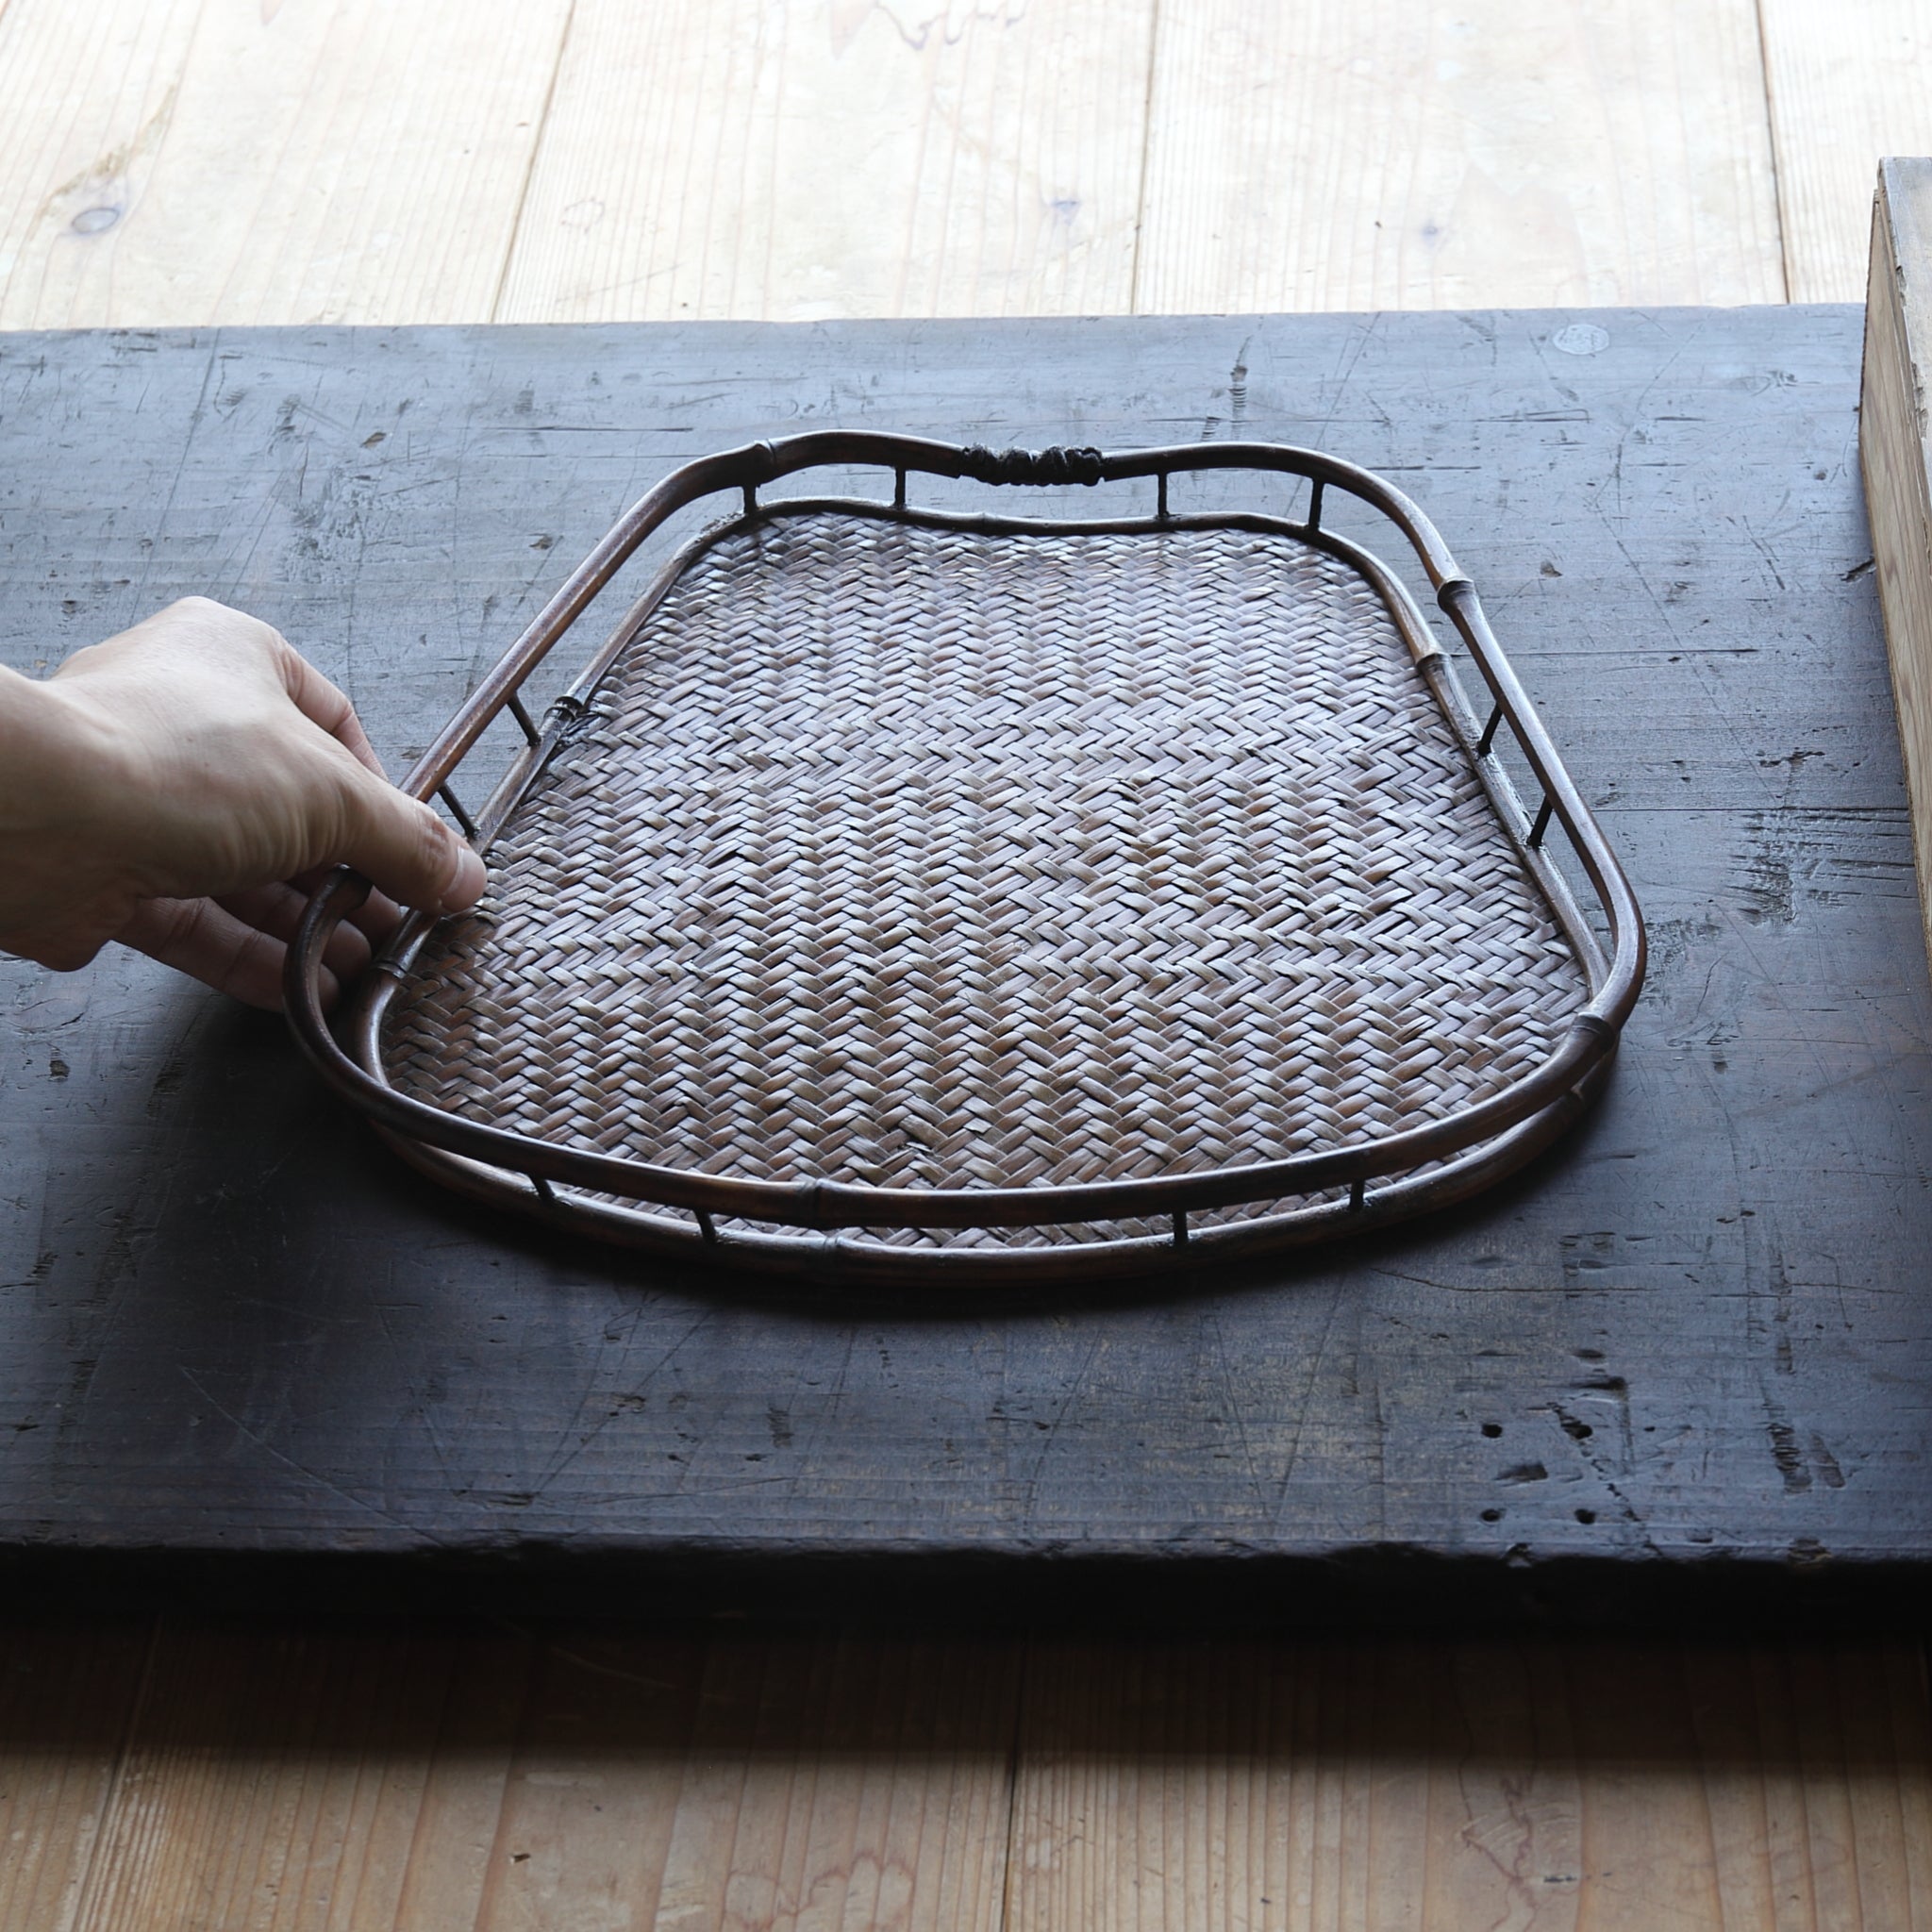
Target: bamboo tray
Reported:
[(902, 894)]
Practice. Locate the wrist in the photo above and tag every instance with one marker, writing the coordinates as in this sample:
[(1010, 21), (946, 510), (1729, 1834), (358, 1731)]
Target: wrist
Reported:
[(58, 780), (53, 759)]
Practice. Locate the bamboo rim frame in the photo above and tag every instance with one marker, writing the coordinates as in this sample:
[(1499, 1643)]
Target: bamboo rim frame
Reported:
[(1477, 1146)]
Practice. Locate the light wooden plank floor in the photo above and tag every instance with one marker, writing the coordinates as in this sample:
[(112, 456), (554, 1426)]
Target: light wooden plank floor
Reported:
[(373, 1779), (176, 161), (182, 161)]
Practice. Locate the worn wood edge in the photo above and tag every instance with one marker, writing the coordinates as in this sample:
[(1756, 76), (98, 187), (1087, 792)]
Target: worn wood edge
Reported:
[(1157, 331), (1895, 460), (1387, 1588)]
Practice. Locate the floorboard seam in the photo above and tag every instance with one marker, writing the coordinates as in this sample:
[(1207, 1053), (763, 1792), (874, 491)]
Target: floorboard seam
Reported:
[(1015, 1759), (1146, 153), (516, 220), (1778, 165), (111, 1799)]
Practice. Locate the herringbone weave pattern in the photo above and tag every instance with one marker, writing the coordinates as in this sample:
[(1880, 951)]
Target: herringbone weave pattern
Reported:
[(925, 858)]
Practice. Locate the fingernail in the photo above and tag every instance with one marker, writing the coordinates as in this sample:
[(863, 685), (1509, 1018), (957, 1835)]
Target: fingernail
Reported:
[(466, 882)]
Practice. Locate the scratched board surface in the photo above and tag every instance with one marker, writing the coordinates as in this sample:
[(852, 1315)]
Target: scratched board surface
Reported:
[(1681, 1366)]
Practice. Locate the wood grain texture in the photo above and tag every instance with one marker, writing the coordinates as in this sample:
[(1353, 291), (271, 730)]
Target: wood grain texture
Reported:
[(1616, 1786), (1369, 154), (846, 1783), (854, 158), (412, 1779), (68, 1699), (1895, 458), (1848, 84), (421, 1778), (284, 1777), (199, 160), (194, 161)]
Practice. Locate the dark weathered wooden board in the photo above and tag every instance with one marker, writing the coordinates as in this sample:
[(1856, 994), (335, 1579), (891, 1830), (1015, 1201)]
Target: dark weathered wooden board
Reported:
[(1683, 1365)]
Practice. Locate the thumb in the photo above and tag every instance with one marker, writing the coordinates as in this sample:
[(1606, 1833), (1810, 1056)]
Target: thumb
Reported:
[(404, 849)]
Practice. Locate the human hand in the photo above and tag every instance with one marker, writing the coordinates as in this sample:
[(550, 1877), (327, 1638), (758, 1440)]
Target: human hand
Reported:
[(181, 788)]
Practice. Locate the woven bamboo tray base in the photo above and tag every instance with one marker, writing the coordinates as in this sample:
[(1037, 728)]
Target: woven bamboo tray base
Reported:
[(926, 857)]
